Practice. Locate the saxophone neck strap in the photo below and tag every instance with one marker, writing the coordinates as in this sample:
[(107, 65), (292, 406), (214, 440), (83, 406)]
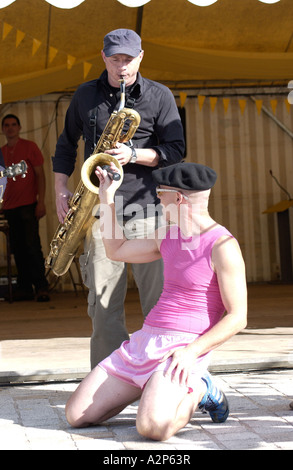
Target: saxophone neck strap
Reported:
[(130, 102)]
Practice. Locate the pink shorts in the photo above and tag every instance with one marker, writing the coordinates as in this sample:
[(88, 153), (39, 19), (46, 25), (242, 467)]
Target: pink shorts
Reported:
[(137, 359)]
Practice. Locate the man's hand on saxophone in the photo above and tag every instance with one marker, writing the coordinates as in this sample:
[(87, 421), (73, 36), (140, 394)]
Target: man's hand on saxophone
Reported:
[(121, 152), (62, 196), (124, 154)]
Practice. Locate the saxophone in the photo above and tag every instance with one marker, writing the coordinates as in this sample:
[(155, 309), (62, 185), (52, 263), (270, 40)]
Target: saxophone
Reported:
[(79, 217)]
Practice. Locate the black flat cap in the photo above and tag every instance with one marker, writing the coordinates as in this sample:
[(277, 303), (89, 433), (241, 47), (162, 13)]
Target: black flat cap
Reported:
[(186, 175)]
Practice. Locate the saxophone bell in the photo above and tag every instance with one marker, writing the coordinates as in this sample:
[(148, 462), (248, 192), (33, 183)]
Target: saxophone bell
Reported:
[(88, 170)]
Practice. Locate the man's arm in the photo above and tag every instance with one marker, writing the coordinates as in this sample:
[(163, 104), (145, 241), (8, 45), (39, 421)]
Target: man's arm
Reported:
[(65, 155), (168, 146), (169, 130), (62, 195), (123, 153), (67, 144)]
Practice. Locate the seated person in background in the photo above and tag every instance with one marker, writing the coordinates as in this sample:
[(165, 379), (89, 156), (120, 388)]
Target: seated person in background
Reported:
[(203, 304)]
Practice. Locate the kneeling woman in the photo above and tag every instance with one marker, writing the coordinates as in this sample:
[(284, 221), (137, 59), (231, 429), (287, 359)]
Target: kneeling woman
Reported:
[(203, 304)]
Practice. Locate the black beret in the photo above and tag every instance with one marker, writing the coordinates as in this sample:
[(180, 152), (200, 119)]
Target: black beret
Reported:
[(186, 175)]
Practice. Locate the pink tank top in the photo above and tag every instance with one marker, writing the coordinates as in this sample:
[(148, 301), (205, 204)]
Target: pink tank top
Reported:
[(191, 300)]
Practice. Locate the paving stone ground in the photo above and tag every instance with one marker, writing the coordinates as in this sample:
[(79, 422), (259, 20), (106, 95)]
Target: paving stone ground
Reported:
[(32, 418)]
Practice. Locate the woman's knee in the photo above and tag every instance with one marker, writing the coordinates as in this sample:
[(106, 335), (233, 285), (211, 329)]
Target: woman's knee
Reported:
[(78, 411), (71, 416), (74, 417), (154, 429)]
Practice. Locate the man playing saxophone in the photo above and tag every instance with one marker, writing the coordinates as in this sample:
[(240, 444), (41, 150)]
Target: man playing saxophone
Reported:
[(158, 142)]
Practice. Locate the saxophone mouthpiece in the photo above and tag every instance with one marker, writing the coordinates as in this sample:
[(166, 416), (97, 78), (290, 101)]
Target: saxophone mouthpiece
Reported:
[(122, 97), (112, 174)]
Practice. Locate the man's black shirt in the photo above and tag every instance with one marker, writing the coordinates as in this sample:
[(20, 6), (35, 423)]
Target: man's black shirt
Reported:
[(160, 129)]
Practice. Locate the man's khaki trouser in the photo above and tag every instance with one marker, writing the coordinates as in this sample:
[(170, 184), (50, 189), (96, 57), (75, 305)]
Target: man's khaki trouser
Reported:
[(107, 284)]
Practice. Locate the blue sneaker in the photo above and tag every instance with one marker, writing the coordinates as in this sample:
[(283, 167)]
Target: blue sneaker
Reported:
[(214, 401)]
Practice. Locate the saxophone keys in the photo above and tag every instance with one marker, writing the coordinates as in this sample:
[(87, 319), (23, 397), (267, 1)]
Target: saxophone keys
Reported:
[(62, 233), (76, 198)]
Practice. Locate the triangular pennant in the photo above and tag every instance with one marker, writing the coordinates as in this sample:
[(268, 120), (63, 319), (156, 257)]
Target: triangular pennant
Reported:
[(242, 105), (274, 105), (19, 37), (200, 100), (70, 61), (6, 30), (52, 53), (226, 102), (86, 68), (258, 104), (213, 102), (288, 105), (182, 97), (36, 45)]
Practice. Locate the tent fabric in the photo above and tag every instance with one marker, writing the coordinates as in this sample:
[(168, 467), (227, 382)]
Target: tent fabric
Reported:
[(237, 139), (45, 49)]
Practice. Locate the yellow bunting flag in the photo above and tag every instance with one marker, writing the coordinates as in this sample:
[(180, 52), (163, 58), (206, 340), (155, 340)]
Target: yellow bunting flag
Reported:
[(213, 102), (183, 97), (86, 68), (19, 37), (226, 102), (274, 105), (242, 104), (70, 61), (288, 105), (36, 45), (200, 100), (258, 104), (6, 30), (52, 53)]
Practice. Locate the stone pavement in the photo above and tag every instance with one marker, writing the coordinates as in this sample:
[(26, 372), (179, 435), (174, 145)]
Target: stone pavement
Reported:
[(32, 418), (41, 359)]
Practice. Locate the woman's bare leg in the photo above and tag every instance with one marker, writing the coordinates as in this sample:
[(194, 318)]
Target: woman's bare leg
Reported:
[(166, 407), (99, 397)]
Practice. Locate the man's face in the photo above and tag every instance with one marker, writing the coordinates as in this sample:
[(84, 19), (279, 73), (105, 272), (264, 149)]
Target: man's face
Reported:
[(122, 66), (10, 128)]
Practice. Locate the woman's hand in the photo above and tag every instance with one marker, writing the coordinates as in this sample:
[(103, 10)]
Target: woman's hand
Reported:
[(182, 364), (108, 185)]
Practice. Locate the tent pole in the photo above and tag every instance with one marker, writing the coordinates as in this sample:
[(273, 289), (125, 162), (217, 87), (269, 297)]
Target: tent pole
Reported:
[(48, 37), (139, 20), (276, 120)]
